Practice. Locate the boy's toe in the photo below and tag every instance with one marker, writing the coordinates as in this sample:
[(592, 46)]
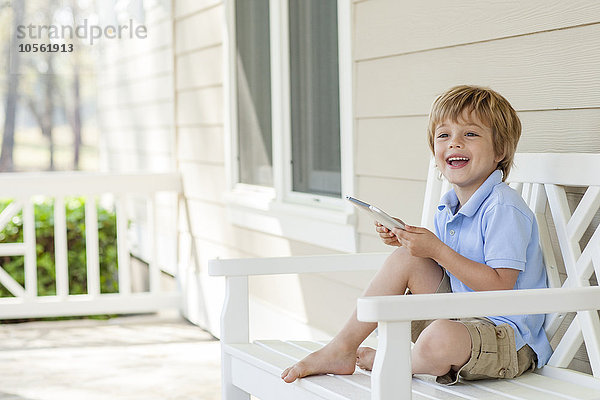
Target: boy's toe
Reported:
[(290, 374)]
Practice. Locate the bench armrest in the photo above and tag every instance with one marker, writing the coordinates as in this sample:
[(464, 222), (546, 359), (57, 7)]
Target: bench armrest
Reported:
[(391, 375), (477, 304), (296, 265)]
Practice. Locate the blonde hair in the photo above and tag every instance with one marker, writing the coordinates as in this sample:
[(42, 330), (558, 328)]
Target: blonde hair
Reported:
[(490, 107)]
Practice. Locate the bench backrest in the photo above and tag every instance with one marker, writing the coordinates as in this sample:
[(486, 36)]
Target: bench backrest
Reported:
[(542, 179)]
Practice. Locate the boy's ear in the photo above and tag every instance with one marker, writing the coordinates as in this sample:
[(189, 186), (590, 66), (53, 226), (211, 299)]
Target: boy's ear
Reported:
[(500, 157)]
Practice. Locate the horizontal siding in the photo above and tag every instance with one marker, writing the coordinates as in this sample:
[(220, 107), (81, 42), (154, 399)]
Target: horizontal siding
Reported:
[(158, 13), (561, 131), (305, 296), (389, 27), (356, 279), (209, 221), (159, 36), (144, 141), (400, 198), (185, 8), (200, 68), (396, 147), (201, 30), (211, 225), (159, 62), (155, 89), (200, 107), (147, 116), (203, 182), (121, 161), (392, 147), (543, 71), (203, 144)]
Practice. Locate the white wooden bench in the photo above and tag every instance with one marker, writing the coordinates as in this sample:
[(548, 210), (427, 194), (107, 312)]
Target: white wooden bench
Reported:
[(255, 368)]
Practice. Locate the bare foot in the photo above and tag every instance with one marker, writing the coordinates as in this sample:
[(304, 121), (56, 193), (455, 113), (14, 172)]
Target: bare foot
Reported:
[(331, 359), (365, 356)]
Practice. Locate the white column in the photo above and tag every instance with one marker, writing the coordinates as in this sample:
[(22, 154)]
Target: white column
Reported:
[(123, 246), (91, 246), (60, 247), (234, 329), (391, 377), (30, 252), (153, 269)]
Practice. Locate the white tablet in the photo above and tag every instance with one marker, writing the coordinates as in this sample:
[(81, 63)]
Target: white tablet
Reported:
[(376, 213)]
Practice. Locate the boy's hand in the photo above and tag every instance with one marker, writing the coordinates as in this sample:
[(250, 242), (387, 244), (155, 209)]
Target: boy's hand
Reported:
[(419, 242), (386, 235)]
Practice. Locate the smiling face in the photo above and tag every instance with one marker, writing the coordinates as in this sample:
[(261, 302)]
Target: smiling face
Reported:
[(464, 153)]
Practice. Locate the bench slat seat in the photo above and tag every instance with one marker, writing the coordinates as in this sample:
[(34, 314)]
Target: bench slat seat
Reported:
[(272, 356)]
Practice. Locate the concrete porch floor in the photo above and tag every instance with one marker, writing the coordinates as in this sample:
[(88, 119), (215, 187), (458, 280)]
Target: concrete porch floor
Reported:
[(141, 357)]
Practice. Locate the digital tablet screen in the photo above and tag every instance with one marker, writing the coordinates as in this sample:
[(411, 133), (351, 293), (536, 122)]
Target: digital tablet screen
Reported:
[(377, 214)]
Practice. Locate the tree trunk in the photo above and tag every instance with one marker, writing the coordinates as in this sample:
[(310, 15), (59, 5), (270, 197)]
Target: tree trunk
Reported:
[(76, 120), (43, 110), (8, 137), (48, 113), (74, 110)]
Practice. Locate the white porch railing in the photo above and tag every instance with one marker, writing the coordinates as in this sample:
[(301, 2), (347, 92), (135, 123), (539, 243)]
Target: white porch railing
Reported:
[(22, 187)]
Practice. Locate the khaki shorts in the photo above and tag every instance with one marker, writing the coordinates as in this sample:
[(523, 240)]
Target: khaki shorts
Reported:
[(493, 349)]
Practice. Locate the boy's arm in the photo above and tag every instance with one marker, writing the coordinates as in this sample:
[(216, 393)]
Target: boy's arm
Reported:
[(421, 242)]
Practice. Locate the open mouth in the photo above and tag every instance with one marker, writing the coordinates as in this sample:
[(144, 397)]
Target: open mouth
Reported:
[(457, 162)]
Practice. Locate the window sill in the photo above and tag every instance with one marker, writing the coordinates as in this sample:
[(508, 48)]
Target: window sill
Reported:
[(332, 229)]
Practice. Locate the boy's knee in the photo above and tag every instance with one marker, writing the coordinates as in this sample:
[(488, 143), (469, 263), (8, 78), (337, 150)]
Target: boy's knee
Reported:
[(401, 258), (399, 254), (398, 259), (437, 339)]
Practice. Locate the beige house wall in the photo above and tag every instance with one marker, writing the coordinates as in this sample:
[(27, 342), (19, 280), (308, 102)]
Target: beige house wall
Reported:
[(135, 97), (199, 76), (542, 55)]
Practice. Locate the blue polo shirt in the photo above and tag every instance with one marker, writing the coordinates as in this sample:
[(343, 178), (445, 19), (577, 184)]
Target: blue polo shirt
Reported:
[(496, 227)]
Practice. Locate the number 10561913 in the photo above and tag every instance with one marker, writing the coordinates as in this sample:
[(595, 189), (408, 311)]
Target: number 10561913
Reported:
[(45, 48)]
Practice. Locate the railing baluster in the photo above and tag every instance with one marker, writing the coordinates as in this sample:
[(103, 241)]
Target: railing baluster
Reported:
[(154, 271), (27, 301), (91, 246), (10, 284), (123, 246), (60, 247), (9, 212), (30, 252)]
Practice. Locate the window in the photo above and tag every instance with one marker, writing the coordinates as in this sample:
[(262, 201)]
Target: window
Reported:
[(314, 97), (253, 81), (290, 121)]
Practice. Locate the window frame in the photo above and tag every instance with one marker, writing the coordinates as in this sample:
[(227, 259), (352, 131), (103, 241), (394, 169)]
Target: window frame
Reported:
[(246, 202)]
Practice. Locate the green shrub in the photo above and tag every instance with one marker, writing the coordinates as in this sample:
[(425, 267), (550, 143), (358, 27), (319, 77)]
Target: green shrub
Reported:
[(44, 227)]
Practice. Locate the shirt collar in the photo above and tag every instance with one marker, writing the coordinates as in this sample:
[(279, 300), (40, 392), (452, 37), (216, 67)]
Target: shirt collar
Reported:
[(450, 200)]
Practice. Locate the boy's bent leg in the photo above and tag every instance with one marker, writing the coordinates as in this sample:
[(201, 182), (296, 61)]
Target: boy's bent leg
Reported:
[(500, 358), (443, 346), (399, 272)]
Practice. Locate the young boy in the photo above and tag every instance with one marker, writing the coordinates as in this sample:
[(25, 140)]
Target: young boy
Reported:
[(486, 239)]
